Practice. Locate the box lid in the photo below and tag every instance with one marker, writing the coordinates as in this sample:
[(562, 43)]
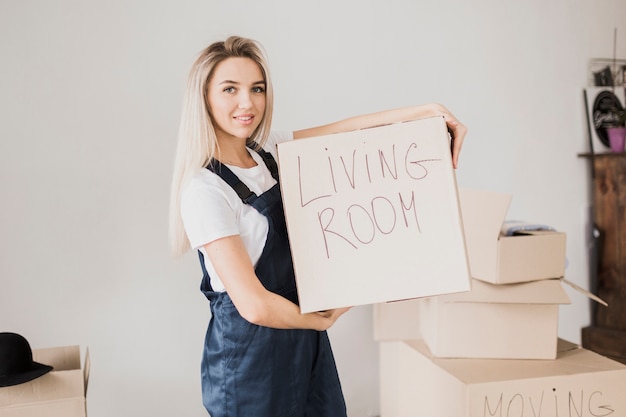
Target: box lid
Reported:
[(484, 213), (549, 291), (571, 359), (61, 358), (65, 358)]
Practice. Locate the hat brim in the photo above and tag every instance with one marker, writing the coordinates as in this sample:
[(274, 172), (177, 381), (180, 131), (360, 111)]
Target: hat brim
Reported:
[(36, 370)]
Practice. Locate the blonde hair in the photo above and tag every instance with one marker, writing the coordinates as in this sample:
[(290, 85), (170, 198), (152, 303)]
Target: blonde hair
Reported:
[(197, 142)]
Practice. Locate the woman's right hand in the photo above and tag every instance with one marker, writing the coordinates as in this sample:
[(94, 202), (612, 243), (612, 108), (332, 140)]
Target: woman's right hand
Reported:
[(331, 316)]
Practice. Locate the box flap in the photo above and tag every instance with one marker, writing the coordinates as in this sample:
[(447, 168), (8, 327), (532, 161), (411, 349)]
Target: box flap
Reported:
[(484, 211), (549, 291), (563, 346), (569, 361), (483, 214), (63, 358), (585, 292), (86, 368)]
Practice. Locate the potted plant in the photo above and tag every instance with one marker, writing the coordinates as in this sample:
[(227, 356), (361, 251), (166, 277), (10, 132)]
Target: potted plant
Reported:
[(616, 130)]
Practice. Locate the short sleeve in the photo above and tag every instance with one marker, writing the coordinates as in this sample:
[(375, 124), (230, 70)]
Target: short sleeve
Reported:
[(206, 211)]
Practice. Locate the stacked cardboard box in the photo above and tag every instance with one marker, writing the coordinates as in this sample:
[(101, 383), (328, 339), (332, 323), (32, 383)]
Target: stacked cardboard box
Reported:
[(494, 351), (579, 383)]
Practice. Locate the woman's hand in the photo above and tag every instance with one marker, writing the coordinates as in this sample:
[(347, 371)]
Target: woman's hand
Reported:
[(253, 301), (455, 127), (404, 114), (331, 316)]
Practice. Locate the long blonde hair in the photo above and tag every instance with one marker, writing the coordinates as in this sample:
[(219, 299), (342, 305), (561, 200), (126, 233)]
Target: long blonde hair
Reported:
[(197, 142)]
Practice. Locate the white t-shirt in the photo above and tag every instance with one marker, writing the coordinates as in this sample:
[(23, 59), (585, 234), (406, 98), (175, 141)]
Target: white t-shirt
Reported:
[(211, 209)]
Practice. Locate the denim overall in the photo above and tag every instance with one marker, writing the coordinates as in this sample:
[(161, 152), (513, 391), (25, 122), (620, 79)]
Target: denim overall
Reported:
[(256, 371)]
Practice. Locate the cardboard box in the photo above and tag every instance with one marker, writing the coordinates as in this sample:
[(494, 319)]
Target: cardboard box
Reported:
[(373, 215), (512, 321), (397, 320), (578, 383), (59, 393), (506, 259)]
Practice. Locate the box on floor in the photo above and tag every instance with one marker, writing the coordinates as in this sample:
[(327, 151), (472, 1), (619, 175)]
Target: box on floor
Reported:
[(578, 383), (512, 321), (501, 259), (59, 393)]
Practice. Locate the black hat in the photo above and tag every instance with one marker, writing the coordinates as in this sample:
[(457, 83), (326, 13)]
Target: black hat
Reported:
[(16, 361)]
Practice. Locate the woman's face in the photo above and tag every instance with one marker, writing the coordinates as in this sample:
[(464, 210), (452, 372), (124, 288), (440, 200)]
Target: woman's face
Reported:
[(236, 97)]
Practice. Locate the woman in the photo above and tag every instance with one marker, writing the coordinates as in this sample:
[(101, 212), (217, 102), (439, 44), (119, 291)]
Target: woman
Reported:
[(262, 357)]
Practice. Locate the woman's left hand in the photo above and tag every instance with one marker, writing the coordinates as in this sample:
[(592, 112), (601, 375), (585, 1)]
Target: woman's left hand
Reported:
[(456, 128)]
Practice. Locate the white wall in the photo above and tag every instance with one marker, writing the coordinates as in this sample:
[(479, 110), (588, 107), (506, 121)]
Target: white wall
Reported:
[(90, 93)]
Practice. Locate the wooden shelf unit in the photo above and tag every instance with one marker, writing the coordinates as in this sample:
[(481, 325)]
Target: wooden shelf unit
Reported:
[(607, 333)]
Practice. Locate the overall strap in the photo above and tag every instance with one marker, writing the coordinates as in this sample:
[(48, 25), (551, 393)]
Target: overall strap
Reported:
[(206, 281), (269, 160), (242, 190), (236, 184), (231, 179)]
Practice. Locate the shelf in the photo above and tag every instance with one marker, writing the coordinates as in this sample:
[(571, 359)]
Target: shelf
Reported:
[(603, 155)]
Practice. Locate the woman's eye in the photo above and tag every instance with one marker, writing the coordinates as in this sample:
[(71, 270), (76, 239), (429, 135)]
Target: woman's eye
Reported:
[(229, 89), (258, 89)]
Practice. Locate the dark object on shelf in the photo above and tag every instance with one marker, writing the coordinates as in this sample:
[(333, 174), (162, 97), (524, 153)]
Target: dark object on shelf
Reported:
[(604, 106), (603, 78)]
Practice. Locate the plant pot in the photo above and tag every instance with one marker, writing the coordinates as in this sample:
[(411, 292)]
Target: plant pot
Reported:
[(617, 138)]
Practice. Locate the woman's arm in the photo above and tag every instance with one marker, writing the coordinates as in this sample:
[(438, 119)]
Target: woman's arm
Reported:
[(256, 304), (457, 129)]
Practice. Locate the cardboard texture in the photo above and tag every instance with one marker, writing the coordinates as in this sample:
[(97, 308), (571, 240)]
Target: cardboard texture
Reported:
[(373, 215), (578, 383), (59, 393), (398, 320), (512, 321), (506, 259)]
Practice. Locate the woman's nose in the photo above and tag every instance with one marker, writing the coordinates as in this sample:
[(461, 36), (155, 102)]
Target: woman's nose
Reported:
[(244, 100)]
